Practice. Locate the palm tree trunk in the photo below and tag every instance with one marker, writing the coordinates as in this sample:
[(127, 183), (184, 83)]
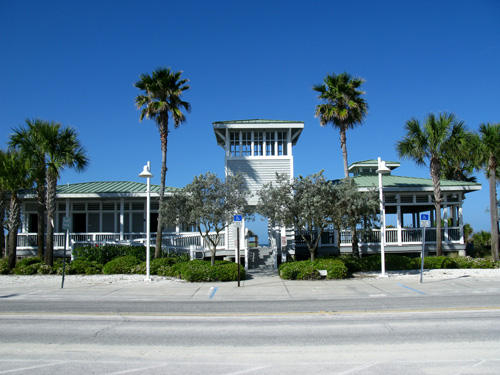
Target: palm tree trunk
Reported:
[(2, 233), (41, 220), (13, 225), (51, 207), (493, 211), (343, 145), (436, 180), (354, 243), (164, 138)]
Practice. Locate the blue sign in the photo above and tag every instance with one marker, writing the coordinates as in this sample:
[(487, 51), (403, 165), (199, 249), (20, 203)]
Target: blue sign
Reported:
[(424, 216), (238, 217)]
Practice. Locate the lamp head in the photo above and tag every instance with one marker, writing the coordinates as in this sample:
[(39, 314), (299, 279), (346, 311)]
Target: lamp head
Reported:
[(382, 168), (145, 173)]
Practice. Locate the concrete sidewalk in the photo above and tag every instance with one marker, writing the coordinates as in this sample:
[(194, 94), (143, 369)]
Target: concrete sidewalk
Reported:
[(255, 287)]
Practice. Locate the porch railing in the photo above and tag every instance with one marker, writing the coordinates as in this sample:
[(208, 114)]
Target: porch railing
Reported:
[(28, 241), (408, 236)]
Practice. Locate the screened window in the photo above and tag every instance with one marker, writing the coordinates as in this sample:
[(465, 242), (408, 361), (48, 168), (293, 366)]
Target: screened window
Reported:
[(270, 143), (258, 143), (282, 143), (246, 143), (234, 143)]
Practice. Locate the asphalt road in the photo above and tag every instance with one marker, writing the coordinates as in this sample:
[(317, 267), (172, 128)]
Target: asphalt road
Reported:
[(381, 327)]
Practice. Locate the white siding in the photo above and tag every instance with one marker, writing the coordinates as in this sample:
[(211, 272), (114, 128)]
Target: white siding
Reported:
[(259, 172)]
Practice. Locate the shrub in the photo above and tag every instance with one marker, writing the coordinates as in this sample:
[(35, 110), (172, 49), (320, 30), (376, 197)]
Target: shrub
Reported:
[(28, 266), (84, 266), (438, 262), (202, 271), (106, 253), (307, 270), (228, 271), (400, 263), (155, 265), (4, 270), (469, 262), (335, 268), (121, 265)]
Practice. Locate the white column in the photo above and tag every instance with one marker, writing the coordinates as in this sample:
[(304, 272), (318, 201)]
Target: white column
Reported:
[(400, 231), (122, 218)]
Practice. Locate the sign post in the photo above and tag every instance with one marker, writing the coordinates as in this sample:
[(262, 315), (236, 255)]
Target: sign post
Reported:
[(424, 223), (238, 222), (65, 226)]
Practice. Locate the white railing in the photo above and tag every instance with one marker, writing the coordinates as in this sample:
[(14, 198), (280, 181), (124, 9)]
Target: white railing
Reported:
[(408, 236), (28, 241)]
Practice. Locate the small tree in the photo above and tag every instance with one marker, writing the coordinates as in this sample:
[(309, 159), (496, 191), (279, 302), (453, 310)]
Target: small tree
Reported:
[(14, 176), (355, 208), (208, 203), (305, 203)]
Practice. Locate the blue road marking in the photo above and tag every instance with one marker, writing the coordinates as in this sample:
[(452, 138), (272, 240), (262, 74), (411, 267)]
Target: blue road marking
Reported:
[(407, 287), (213, 292)]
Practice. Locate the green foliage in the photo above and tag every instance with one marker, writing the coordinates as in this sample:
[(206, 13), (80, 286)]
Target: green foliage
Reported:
[(203, 271), (29, 266), (438, 262), (84, 266), (335, 268), (4, 269), (209, 203), (155, 265), (121, 265), (469, 262), (106, 253), (307, 270)]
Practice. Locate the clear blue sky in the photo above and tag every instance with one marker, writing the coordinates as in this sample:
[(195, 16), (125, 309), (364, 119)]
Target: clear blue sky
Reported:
[(76, 62)]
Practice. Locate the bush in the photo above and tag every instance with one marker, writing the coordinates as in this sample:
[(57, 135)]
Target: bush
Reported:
[(28, 266), (307, 270), (469, 262), (437, 262), (335, 268), (400, 263), (155, 265), (202, 271), (121, 265), (106, 253), (4, 270), (84, 266)]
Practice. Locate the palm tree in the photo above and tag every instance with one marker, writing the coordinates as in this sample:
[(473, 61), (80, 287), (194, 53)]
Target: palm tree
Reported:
[(428, 143), (27, 141), (489, 161), (62, 149), (14, 175), (344, 107), (161, 98)]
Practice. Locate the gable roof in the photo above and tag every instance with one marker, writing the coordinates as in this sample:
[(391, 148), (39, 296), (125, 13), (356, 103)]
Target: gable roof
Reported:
[(400, 183), (104, 189)]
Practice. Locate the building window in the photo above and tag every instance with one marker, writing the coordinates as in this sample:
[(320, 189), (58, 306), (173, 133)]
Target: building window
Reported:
[(270, 143), (258, 143), (234, 143), (246, 143), (282, 143)]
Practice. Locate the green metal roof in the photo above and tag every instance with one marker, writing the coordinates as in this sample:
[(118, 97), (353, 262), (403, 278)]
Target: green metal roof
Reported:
[(395, 183), (257, 121), (108, 187), (103, 188), (374, 162)]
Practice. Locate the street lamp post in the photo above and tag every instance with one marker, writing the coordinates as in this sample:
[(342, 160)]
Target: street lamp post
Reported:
[(382, 169), (146, 173)]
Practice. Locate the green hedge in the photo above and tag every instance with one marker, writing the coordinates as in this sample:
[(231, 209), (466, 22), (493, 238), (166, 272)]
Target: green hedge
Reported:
[(121, 265), (307, 270), (106, 253), (84, 266), (203, 271)]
